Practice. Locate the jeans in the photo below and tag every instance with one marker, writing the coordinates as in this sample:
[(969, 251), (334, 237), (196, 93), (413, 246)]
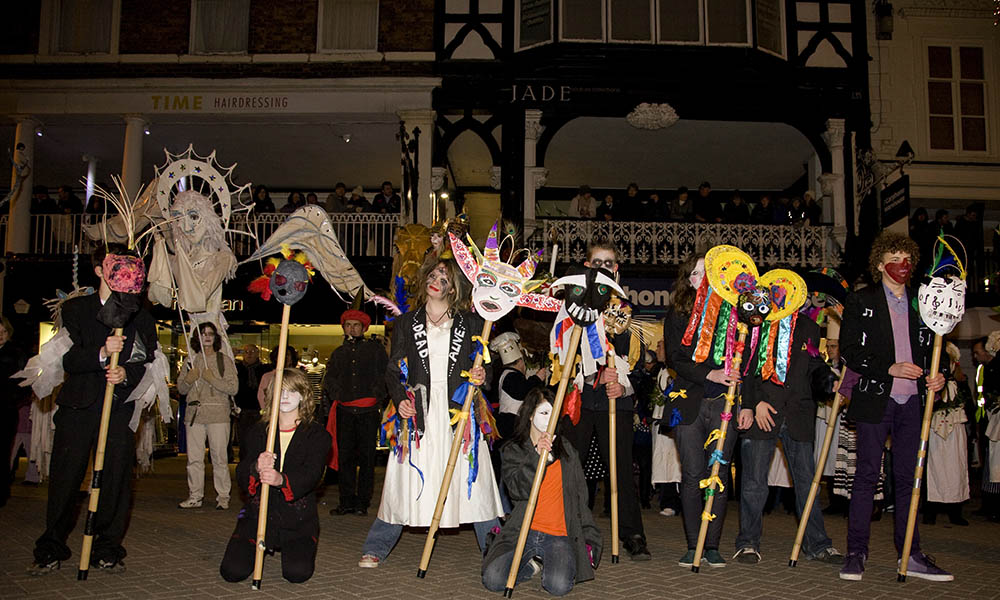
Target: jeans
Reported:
[(903, 422), (694, 467), (756, 460), (558, 564), (382, 537)]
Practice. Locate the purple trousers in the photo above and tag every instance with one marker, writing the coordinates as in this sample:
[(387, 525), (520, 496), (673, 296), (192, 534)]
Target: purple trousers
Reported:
[(902, 421)]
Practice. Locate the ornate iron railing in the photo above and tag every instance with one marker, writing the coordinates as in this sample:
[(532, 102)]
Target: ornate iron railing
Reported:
[(671, 243)]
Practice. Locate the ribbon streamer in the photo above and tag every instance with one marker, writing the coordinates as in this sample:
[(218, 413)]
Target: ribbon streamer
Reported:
[(696, 312), (480, 348), (675, 417), (784, 346), (716, 457), (594, 339), (712, 306), (678, 394), (719, 347), (714, 435), (726, 416), (714, 479), (731, 339), (706, 516), (767, 371)]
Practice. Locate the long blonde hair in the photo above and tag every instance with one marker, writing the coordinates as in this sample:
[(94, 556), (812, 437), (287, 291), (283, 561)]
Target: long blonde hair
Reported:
[(293, 380)]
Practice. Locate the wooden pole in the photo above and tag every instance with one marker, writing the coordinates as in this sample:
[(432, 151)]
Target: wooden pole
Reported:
[(831, 425), (719, 445), (613, 467), (449, 471), (543, 459), (918, 472), (95, 486), (272, 432)]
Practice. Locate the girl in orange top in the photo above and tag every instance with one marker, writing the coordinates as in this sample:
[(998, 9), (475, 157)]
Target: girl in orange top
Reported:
[(563, 544)]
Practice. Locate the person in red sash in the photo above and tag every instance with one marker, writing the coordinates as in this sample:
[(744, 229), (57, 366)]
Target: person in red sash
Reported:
[(355, 384)]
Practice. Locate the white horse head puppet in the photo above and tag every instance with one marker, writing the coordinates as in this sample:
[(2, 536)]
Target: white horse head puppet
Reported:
[(941, 298), (497, 286)]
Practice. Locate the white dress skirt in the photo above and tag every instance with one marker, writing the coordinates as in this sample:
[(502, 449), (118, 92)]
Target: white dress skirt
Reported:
[(666, 460), (947, 458), (822, 414), (406, 500), (778, 475)]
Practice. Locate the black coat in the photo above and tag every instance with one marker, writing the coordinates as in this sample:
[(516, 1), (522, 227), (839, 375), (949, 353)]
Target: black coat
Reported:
[(519, 463), (409, 342), (356, 370), (793, 400), (691, 376), (866, 343), (595, 397), (85, 375), (292, 508)]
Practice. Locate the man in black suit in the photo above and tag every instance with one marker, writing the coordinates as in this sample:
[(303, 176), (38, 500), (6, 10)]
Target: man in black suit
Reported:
[(770, 412), (884, 341), (87, 366)]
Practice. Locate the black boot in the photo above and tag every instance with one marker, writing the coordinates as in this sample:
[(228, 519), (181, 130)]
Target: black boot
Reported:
[(955, 515)]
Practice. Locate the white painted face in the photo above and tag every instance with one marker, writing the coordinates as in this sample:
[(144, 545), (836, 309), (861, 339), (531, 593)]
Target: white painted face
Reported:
[(697, 274), (540, 420), (290, 400), (942, 303), (494, 295)]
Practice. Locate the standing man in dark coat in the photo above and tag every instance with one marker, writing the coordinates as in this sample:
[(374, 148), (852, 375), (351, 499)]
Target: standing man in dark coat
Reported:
[(78, 420), (248, 372), (355, 384), (787, 412), (884, 340)]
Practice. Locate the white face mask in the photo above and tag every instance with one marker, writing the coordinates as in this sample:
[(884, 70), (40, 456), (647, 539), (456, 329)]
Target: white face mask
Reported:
[(540, 420), (290, 400), (697, 274)]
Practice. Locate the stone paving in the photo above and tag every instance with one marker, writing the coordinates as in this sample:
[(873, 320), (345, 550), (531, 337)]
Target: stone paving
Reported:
[(175, 554)]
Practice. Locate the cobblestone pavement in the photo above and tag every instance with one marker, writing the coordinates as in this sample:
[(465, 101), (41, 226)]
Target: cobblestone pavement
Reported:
[(175, 554)]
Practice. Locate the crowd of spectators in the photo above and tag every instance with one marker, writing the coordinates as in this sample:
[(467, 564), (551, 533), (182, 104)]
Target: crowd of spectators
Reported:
[(704, 207), (385, 201)]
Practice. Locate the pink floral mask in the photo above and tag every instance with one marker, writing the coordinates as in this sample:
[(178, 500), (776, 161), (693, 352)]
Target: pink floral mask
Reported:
[(124, 273)]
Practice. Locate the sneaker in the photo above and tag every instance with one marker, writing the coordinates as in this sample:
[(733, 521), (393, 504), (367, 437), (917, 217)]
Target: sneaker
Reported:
[(368, 561), (830, 555), (668, 512), (854, 567), (636, 548), (536, 567), (922, 566), (713, 558), (108, 565), (222, 505), (44, 567), (687, 560), (747, 556), (190, 503)]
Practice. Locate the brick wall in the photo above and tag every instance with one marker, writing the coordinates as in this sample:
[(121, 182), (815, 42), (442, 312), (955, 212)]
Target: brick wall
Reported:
[(288, 26), (19, 29), (406, 25), (161, 27)]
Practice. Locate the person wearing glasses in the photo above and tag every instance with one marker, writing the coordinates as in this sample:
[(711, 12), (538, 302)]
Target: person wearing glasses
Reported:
[(596, 394)]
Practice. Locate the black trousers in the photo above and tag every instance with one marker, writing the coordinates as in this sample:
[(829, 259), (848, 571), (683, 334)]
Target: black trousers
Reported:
[(298, 557), (356, 456), (75, 438), (247, 419), (8, 431), (595, 423)]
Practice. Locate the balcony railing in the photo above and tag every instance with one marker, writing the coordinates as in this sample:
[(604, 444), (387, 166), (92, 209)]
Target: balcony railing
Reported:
[(359, 234), (671, 243)]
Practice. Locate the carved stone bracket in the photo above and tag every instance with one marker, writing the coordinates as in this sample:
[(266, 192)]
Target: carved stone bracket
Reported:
[(533, 124), (539, 175), (437, 177), (495, 180)]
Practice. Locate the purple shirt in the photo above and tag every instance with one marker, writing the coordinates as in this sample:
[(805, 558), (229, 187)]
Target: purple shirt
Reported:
[(902, 389)]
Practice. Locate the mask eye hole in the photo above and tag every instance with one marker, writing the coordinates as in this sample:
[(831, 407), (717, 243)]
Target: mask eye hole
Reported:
[(577, 290), (764, 309), (748, 306), (486, 280), (510, 289), (602, 289)]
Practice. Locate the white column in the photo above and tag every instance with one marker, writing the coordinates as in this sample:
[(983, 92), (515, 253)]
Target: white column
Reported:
[(834, 138), (91, 161), (135, 127), (532, 130), (424, 120), (19, 219)]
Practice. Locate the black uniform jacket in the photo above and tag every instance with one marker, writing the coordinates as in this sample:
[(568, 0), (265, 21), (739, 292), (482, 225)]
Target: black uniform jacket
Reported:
[(291, 508), (356, 370), (867, 345)]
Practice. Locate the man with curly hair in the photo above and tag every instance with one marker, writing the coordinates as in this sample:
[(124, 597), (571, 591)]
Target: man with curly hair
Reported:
[(884, 341)]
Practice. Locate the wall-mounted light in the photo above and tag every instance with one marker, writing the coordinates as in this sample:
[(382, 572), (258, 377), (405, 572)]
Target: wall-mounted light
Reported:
[(145, 129), (38, 131), (347, 138), (883, 20)]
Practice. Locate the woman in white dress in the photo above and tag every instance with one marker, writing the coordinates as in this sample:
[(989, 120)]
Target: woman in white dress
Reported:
[(948, 450), (431, 347)]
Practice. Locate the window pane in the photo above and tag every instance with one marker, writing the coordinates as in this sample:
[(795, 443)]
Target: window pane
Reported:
[(350, 25), (972, 101), (582, 20), (727, 21), (536, 22), (679, 21), (84, 26), (939, 97), (939, 61), (942, 133), (631, 20), (971, 60), (221, 26), (769, 20), (974, 134)]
